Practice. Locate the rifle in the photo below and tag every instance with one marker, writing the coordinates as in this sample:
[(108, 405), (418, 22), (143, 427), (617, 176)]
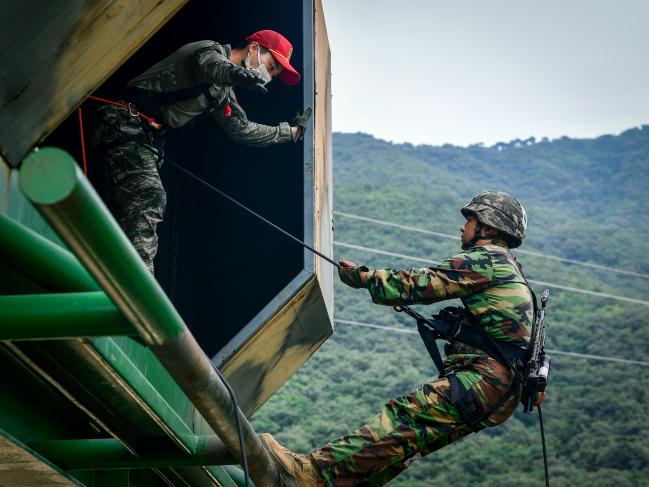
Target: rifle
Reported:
[(538, 365)]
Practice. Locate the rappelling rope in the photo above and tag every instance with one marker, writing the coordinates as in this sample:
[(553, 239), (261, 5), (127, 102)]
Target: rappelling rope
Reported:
[(245, 208), (545, 452)]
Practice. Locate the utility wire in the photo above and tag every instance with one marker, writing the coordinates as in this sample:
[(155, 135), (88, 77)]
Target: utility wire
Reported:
[(519, 251), (599, 357), (553, 352), (531, 281), (385, 252)]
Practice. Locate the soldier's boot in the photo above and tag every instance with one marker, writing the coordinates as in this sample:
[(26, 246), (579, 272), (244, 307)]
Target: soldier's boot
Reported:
[(295, 470)]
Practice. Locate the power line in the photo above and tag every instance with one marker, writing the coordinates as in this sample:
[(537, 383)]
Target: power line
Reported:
[(554, 352), (599, 357), (378, 327), (586, 291), (385, 252), (396, 225), (531, 281), (519, 251)]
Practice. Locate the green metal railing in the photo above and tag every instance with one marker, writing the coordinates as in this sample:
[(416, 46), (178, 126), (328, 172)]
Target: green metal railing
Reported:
[(61, 315), (40, 260), (109, 454), (53, 183), (81, 310)]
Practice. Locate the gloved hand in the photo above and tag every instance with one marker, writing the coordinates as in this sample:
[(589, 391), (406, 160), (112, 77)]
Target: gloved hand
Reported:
[(300, 120), (248, 78), (350, 274)]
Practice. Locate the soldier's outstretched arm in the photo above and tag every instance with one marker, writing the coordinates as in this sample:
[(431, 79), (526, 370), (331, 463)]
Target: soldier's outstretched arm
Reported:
[(236, 125), (462, 275)]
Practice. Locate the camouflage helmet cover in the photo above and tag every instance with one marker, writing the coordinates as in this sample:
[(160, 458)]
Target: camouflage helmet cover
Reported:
[(500, 211)]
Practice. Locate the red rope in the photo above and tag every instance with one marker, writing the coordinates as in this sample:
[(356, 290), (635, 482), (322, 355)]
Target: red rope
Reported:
[(131, 108), (83, 143)]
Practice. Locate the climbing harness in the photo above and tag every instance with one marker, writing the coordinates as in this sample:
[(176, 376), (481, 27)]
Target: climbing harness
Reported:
[(530, 367), (456, 325), (453, 324), (132, 110)]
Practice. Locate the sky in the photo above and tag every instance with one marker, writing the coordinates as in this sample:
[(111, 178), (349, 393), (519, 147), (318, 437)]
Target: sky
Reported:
[(486, 71)]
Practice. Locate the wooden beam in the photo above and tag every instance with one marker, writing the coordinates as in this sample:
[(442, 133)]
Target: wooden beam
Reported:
[(269, 358), (323, 157), (53, 54), (21, 467)]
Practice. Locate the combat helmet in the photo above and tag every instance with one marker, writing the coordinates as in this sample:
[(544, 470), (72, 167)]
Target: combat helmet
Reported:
[(500, 211)]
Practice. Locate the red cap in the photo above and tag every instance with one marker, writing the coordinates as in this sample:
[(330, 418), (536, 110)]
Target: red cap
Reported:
[(281, 49)]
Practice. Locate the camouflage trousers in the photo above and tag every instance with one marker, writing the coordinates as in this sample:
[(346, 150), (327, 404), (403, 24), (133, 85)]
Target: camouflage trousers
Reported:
[(414, 425), (133, 190)]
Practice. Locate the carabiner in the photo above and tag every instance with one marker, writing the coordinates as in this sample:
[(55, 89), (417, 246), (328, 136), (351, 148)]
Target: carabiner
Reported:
[(132, 110)]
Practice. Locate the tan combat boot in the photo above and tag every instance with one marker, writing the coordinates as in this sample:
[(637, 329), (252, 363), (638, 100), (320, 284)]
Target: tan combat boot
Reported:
[(295, 469)]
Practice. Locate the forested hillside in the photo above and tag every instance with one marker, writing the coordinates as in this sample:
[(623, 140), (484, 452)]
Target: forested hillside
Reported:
[(586, 201)]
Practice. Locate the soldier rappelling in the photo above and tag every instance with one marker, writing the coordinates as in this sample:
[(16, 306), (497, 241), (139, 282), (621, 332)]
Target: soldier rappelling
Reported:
[(480, 382)]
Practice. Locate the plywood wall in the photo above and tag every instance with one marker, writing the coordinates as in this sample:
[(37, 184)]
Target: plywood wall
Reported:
[(53, 54)]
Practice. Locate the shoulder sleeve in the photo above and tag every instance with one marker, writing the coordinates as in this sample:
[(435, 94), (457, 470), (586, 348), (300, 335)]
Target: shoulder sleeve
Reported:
[(211, 65), (243, 131), (462, 275)]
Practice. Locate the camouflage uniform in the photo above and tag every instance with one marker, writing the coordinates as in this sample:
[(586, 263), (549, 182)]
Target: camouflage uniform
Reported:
[(135, 194), (133, 191), (491, 285)]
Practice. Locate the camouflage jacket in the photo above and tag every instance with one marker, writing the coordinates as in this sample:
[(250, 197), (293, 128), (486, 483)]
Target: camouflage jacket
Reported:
[(487, 279), (206, 63)]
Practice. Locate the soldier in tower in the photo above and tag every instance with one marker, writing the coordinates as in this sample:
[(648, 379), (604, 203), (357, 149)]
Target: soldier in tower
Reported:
[(477, 390), (199, 77)]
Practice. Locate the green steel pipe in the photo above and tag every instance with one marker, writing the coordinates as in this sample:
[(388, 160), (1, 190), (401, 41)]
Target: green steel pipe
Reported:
[(41, 260), (236, 474), (57, 316), (110, 454), (52, 181)]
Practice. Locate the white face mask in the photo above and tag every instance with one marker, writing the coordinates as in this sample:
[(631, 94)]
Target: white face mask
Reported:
[(261, 69)]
